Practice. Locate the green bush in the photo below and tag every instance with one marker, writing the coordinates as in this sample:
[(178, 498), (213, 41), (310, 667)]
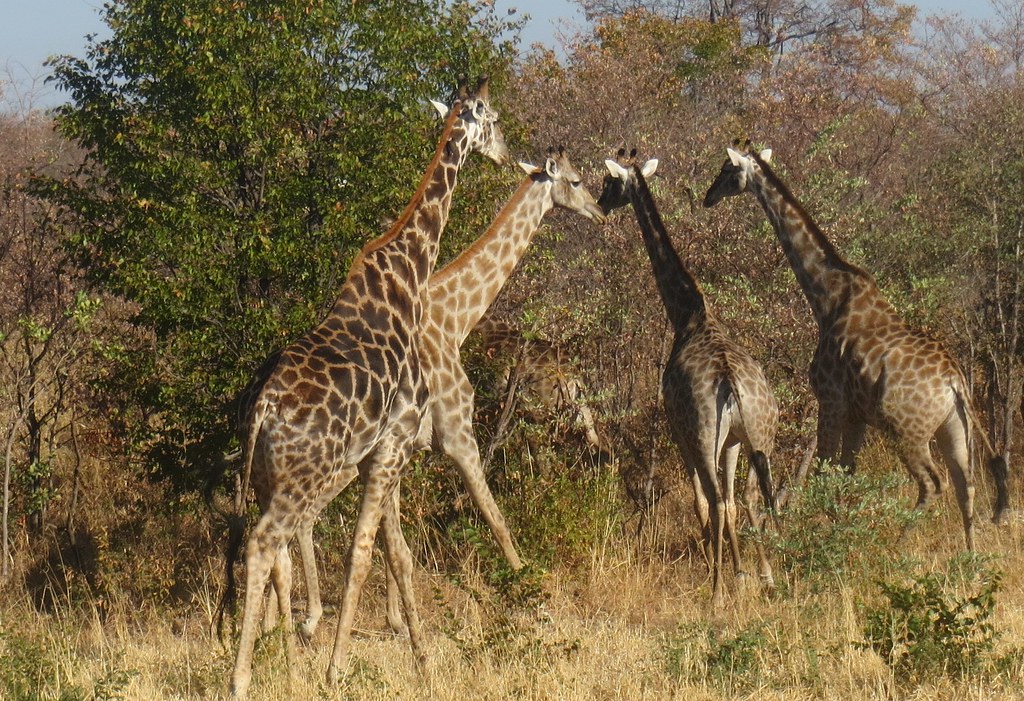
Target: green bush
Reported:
[(733, 663), (836, 526), (29, 671), (24, 667), (513, 608), (927, 626)]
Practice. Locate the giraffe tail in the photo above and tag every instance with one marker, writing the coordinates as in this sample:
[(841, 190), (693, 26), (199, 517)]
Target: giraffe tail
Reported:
[(997, 465), (758, 460), (237, 520), (762, 468)]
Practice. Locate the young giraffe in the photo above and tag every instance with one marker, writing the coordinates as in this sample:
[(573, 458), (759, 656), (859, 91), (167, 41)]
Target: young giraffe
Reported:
[(458, 296), (543, 377), (716, 397), (869, 368), (348, 397)]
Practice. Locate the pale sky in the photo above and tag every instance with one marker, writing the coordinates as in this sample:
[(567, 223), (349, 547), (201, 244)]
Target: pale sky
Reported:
[(32, 30)]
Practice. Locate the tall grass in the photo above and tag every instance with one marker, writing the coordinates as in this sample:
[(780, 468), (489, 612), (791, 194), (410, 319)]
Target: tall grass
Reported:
[(614, 619)]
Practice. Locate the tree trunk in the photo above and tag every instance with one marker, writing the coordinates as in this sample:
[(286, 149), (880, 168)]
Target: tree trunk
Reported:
[(5, 568)]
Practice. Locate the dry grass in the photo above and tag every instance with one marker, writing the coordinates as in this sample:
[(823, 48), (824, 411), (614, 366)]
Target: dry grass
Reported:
[(628, 626)]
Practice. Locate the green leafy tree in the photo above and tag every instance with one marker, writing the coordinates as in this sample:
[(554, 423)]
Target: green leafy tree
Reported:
[(238, 154)]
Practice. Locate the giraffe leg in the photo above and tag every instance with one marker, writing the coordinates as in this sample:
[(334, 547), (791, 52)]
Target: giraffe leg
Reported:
[(718, 519), (717, 512), (918, 457), (281, 578), (853, 441), (314, 605), (265, 542), (270, 611), (728, 459), (277, 601), (952, 439), (830, 423), (307, 553), (393, 611), (703, 512), (380, 475), (700, 500), (454, 432), (400, 565), (757, 518)]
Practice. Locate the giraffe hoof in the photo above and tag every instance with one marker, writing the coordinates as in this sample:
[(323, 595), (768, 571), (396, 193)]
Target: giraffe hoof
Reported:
[(781, 498), (306, 631), (240, 689)]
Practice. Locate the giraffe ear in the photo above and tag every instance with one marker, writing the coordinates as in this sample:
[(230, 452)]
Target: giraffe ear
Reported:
[(442, 109), (766, 155), (735, 156), (616, 170), (529, 168), (551, 167), (649, 168)]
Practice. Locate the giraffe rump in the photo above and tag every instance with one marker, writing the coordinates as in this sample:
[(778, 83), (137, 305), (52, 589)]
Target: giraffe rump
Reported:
[(759, 461)]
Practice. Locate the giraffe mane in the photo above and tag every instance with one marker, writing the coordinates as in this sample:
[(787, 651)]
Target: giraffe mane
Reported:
[(653, 217), (456, 263), (415, 200), (835, 259)]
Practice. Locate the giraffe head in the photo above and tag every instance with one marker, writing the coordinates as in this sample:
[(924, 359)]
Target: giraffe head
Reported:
[(621, 178), (478, 120), (566, 186), (736, 175)]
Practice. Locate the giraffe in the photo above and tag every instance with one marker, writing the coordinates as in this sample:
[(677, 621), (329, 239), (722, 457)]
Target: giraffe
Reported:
[(537, 370), (347, 398), (457, 297), (716, 397), (870, 368)]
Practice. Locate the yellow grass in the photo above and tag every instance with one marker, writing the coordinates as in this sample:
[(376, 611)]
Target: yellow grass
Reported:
[(631, 625)]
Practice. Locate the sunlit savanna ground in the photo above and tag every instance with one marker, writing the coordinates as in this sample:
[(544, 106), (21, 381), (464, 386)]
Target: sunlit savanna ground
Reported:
[(633, 623)]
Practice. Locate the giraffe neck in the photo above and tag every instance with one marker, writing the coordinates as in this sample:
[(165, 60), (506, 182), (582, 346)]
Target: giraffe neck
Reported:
[(393, 269), (464, 289), (812, 256), (680, 292)]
